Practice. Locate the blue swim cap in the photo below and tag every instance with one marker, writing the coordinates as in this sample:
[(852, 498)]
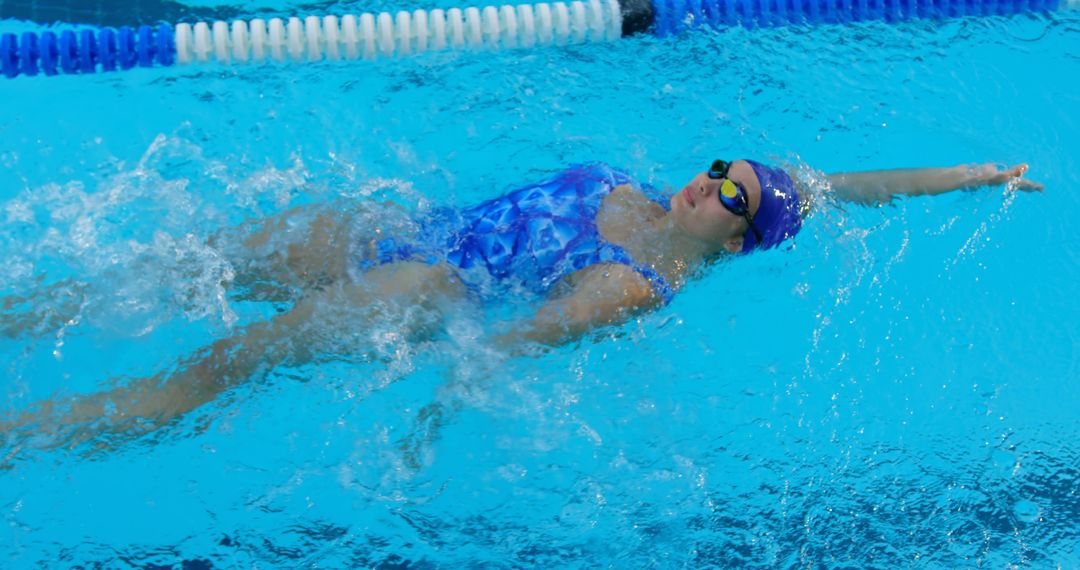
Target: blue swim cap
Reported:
[(778, 215)]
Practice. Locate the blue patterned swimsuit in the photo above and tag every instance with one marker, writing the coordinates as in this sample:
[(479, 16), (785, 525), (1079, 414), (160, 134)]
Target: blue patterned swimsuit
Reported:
[(534, 236)]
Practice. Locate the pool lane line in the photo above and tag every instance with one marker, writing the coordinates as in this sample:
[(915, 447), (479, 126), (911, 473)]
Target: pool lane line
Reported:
[(369, 36)]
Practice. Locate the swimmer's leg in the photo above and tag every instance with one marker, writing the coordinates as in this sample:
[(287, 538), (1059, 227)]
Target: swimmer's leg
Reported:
[(278, 258), (45, 309), (312, 330)]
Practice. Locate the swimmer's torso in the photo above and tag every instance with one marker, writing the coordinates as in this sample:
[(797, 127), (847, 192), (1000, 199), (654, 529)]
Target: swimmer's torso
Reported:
[(538, 234)]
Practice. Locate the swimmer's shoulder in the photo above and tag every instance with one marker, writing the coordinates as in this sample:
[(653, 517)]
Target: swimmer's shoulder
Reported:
[(807, 200), (631, 195)]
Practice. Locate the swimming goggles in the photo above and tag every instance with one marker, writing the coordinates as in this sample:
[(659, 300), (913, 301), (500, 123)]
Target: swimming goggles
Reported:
[(733, 194)]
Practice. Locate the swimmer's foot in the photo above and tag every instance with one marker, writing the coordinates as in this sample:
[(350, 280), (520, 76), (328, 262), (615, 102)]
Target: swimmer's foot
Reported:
[(416, 447)]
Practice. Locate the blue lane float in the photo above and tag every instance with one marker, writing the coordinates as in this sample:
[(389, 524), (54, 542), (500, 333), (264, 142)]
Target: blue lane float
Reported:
[(368, 36)]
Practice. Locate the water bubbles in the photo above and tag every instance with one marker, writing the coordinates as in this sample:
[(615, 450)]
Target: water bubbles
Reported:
[(512, 472), (9, 159)]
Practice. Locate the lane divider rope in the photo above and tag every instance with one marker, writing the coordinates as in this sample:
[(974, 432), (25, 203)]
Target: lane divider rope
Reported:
[(371, 36), (386, 34)]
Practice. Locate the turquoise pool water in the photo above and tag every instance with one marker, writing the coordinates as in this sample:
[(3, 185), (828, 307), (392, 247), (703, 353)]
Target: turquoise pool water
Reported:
[(899, 389)]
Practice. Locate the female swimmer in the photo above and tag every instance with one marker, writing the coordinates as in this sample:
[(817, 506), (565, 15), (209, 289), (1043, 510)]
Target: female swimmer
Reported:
[(595, 246)]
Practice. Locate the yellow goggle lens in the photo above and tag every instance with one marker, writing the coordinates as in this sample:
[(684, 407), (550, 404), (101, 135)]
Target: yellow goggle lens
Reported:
[(727, 188)]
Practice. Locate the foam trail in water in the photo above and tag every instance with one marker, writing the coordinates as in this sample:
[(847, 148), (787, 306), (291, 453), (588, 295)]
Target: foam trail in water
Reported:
[(980, 238), (129, 250)]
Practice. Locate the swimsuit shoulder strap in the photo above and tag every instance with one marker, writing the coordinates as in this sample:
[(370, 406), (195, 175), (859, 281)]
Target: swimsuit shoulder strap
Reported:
[(619, 255), (659, 284)]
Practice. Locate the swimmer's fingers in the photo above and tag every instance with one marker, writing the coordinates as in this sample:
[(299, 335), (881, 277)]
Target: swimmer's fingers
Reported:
[(1013, 178), (1025, 185), (992, 175)]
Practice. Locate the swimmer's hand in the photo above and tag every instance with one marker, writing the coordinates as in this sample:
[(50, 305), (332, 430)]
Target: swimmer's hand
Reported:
[(990, 174)]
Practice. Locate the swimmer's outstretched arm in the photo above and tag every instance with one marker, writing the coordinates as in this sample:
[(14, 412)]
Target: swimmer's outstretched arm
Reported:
[(605, 295), (874, 187)]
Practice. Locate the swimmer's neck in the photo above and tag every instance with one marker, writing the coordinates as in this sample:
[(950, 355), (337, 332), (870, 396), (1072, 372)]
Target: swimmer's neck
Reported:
[(653, 237), (669, 249)]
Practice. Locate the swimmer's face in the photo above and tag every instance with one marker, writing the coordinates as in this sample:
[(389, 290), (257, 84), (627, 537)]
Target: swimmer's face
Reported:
[(698, 210)]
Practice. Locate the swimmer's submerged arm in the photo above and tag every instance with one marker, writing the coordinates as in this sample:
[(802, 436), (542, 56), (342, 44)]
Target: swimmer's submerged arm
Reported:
[(146, 404), (605, 295), (873, 187)]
